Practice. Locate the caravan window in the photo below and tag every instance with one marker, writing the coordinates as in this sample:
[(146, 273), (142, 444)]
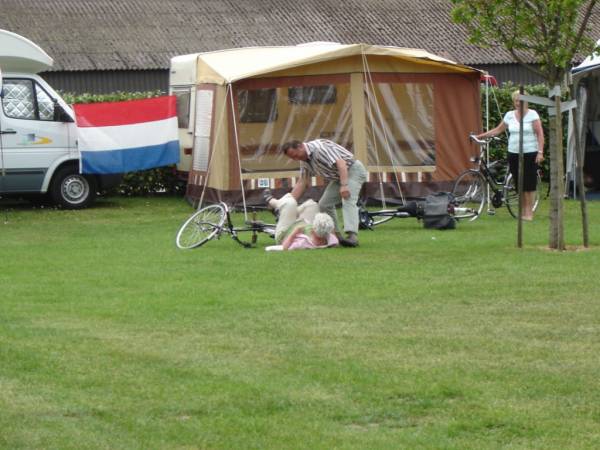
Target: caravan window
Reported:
[(25, 99), (183, 107), (258, 105), (312, 95)]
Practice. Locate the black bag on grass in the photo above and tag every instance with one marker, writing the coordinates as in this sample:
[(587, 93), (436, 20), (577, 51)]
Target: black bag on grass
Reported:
[(436, 212)]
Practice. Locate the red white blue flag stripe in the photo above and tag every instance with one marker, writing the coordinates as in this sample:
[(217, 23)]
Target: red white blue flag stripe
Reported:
[(121, 137)]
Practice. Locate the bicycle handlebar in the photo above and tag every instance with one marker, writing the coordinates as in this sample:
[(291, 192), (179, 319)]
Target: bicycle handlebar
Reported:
[(483, 141)]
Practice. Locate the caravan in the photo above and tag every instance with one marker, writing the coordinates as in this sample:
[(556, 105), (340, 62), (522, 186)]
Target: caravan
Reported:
[(38, 135)]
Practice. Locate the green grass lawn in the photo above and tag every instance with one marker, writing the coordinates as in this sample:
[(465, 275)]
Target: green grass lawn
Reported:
[(111, 338)]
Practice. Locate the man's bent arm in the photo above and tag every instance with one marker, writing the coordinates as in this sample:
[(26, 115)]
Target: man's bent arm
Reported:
[(343, 171)]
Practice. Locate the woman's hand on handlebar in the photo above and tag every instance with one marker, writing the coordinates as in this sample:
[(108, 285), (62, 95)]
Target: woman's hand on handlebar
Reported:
[(481, 140), (475, 138)]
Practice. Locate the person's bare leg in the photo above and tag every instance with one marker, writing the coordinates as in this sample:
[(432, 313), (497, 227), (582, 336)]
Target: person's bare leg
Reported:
[(528, 205)]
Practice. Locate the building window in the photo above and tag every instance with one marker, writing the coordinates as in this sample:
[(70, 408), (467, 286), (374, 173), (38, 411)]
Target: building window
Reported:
[(310, 95), (257, 106)]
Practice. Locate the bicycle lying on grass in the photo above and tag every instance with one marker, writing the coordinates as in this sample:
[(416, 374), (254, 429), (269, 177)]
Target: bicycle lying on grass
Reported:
[(418, 209), (471, 186), (212, 221)]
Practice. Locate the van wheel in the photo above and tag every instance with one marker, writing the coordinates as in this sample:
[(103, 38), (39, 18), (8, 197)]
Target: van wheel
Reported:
[(71, 190)]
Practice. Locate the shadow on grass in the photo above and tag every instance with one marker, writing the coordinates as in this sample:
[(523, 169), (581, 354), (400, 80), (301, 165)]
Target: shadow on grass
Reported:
[(40, 202)]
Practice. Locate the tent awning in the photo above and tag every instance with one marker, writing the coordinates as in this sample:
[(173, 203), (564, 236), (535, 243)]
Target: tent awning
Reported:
[(228, 66)]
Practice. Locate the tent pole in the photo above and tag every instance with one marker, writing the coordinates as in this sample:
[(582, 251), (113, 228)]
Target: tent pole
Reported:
[(490, 209), (237, 148), (370, 95), (368, 91)]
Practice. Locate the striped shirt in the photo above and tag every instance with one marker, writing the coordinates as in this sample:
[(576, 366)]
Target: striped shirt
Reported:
[(322, 155)]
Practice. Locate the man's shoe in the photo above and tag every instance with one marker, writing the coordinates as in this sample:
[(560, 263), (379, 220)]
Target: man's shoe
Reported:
[(351, 240)]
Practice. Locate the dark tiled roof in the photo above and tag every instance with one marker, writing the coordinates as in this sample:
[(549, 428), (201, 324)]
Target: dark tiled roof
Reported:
[(145, 34)]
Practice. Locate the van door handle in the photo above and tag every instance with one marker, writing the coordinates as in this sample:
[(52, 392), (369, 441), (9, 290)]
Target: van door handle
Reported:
[(8, 132)]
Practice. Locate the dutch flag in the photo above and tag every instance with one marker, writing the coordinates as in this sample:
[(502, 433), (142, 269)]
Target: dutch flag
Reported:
[(121, 137)]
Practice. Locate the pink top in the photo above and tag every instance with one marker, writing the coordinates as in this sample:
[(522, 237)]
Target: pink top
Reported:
[(302, 241)]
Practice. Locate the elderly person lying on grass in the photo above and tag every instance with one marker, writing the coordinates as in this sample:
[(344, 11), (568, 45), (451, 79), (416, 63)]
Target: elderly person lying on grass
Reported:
[(301, 226)]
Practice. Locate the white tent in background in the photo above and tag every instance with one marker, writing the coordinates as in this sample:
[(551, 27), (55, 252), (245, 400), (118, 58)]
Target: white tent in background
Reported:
[(586, 81)]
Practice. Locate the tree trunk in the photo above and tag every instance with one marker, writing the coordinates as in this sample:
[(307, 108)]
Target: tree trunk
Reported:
[(557, 238), (521, 172), (579, 161)]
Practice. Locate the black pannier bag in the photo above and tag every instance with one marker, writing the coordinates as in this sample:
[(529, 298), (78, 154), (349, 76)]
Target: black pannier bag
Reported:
[(437, 211)]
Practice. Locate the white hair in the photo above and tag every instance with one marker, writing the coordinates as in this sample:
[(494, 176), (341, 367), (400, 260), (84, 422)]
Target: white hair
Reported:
[(323, 225)]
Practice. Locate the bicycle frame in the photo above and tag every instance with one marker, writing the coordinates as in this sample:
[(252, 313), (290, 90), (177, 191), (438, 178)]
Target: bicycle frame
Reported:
[(498, 186), (416, 208), (495, 184), (254, 226)]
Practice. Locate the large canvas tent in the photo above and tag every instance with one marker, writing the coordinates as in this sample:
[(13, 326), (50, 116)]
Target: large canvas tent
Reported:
[(586, 81), (405, 113)]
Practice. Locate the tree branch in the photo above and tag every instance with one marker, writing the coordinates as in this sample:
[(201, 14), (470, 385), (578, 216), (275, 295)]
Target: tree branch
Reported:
[(527, 66), (582, 28)]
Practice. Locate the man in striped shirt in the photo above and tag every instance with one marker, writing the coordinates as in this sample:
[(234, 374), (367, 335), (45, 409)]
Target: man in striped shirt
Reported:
[(344, 174)]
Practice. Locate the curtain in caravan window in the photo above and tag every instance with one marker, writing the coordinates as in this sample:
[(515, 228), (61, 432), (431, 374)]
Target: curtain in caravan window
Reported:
[(302, 109), (400, 122), (204, 108)]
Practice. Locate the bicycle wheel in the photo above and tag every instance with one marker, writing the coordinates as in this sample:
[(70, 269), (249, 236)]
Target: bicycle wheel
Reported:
[(382, 216), (201, 227), (469, 195), (511, 196), (367, 220)]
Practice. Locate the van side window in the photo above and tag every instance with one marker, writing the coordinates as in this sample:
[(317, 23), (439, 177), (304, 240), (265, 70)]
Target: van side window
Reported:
[(25, 99), (17, 99), (45, 103)]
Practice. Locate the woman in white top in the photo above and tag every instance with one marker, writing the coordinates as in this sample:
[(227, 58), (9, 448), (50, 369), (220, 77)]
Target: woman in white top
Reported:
[(533, 149)]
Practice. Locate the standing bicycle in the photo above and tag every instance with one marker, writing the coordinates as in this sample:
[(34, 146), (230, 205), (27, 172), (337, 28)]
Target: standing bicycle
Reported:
[(471, 187), (527, 136)]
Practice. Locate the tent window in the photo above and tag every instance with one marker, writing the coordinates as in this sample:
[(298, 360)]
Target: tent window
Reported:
[(259, 142), (257, 106), (401, 126), (311, 95)]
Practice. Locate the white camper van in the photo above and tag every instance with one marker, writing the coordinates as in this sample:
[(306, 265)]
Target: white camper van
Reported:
[(38, 135)]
